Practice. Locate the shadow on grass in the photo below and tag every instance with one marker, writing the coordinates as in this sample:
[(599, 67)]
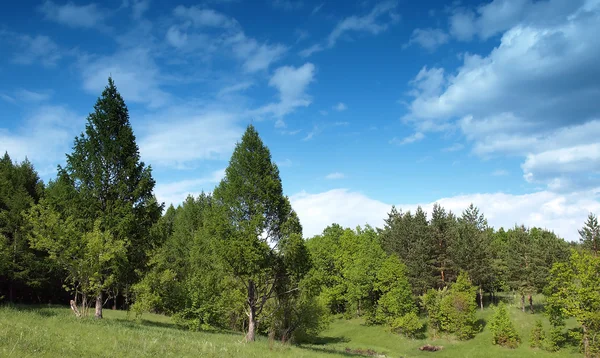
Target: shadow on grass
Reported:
[(332, 351), (320, 341), (142, 323), (482, 323), (41, 310)]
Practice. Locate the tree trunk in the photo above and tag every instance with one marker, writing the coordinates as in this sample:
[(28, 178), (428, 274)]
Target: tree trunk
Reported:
[(523, 302), (443, 279), (481, 297), (531, 303), (251, 335), (99, 302)]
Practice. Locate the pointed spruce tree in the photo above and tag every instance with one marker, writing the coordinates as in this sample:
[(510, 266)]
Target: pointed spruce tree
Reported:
[(590, 234), (251, 213), (114, 190)]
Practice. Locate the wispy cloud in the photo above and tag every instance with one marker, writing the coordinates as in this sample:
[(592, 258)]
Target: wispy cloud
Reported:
[(371, 23), (429, 39), (335, 175), (499, 173), (73, 15), (378, 20), (454, 147), (33, 49), (235, 88), (407, 140), (287, 5), (340, 107), (317, 8)]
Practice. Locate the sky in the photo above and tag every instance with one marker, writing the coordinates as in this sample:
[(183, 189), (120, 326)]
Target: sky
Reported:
[(363, 104)]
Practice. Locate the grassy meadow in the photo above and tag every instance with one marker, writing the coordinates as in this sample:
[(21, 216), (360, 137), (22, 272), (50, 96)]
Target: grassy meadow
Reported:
[(41, 331)]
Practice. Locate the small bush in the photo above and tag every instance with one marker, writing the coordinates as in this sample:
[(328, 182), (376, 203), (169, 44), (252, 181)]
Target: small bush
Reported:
[(408, 325), (537, 338), (555, 340), (503, 329)]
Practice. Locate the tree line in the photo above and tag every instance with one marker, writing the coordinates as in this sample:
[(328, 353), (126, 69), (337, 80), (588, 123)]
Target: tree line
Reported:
[(236, 258)]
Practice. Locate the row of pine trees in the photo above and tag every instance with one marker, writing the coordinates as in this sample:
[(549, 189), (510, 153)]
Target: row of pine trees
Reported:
[(236, 258)]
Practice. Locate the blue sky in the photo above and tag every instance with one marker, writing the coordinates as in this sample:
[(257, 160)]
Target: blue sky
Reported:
[(364, 105)]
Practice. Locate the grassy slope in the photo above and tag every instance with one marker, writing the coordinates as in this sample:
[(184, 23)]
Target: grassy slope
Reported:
[(54, 332)]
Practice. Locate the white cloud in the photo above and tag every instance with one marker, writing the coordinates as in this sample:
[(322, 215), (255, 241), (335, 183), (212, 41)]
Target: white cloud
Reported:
[(371, 23), (498, 16), (562, 213), (181, 136), (139, 7), (534, 92), (340, 107), (7, 98), (235, 88), (291, 83), (454, 147), (32, 96), (499, 173), (175, 37), (429, 39), (134, 71), (307, 52), (336, 175), (316, 9), (176, 192), (201, 17), (408, 140), (347, 208), (287, 5), (256, 56), (34, 49), (45, 136), (285, 163), (315, 131), (374, 22), (73, 15), (565, 168)]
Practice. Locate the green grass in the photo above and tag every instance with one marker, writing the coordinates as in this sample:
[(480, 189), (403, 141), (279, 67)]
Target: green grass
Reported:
[(29, 331)]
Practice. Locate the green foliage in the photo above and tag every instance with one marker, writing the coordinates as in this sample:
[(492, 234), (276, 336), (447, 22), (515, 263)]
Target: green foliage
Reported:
[(454, 310), (503, 330), (96, 221), (186, 279), (537, 336), (589, 235), (395, 294), (408, 236), (409, 325), (574, 291), (555, 339), (20, 266)]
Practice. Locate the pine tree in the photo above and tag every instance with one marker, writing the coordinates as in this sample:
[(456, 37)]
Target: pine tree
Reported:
[(253, 212), (20, 188), (112, 191), (590, 234), (472, 251), (503, 330)]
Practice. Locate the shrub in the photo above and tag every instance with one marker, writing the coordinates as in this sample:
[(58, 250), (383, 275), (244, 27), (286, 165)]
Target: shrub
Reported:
[(409, 325), (453, 310), (537, 338), (555, 340), (503, 330)]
